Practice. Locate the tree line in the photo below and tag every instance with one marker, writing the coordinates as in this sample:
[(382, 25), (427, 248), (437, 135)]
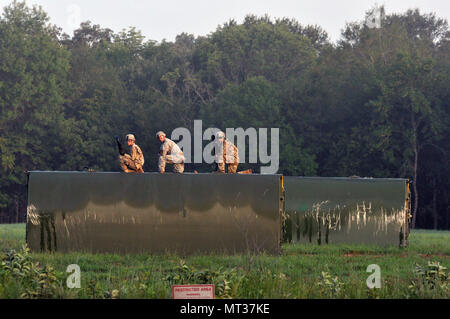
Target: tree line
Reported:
[(374, 104)]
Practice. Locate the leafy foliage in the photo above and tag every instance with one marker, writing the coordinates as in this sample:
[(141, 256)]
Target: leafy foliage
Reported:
[(433, 279), (330, 285), (34, 280), (376, 103)]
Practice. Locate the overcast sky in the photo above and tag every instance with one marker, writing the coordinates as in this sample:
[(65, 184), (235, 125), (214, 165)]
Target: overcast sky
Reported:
[(164, 19)]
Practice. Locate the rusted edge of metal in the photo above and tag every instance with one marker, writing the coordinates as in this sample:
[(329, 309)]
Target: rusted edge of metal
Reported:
[(282, 216), (408, 215)]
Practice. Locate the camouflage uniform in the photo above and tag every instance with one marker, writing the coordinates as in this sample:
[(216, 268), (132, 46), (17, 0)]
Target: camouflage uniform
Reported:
[(228, 153), (134, 162), (171, 153)]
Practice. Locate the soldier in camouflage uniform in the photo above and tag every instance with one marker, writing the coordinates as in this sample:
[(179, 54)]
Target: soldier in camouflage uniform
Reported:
[(170, 153), (227, 154), (135, 161)]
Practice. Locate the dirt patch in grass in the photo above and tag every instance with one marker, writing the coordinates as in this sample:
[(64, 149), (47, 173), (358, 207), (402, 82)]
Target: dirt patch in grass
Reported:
[(434, 255), (355, 254), (402, 255)]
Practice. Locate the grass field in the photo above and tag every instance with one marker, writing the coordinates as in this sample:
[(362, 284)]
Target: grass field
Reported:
[(302, 271)]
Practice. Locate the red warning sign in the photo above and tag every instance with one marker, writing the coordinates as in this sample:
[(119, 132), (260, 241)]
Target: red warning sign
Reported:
[(193, 292)]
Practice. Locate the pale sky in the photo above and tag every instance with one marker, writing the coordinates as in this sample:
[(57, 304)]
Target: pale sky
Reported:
[(165, 19)]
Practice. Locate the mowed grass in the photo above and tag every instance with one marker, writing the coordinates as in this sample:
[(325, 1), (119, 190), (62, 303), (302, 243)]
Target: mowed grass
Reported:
[(302, 271)]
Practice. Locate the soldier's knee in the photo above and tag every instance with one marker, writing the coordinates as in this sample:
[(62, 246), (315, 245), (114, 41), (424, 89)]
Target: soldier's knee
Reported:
[(178, 168), (123, 166), (232, 169)]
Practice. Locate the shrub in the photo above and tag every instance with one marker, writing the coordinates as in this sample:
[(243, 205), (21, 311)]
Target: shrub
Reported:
[(331, 287), (432, 280), (29, 278)]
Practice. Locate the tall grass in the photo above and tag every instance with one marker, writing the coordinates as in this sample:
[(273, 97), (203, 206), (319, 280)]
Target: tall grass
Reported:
[(302, 271)]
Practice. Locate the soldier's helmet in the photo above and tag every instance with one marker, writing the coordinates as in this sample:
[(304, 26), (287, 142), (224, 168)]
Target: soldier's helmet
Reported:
[(220, 134), (130, 137), (160, 133)]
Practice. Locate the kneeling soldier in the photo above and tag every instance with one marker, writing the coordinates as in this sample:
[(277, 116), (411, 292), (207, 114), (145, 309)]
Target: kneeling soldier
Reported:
[(170, 153), (135, 161), (227, 153)]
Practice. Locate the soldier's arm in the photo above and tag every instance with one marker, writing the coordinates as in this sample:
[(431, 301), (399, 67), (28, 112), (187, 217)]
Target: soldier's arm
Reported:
[(169, 147), (138, 156), (133, 153), (236, 153), (222, 153), (163, 150), (141, 157), (122, 151)]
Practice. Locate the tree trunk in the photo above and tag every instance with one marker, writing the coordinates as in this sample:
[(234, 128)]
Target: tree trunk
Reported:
[(17, 210), (447, 215), (416, 194), (435, 213), (415, 165)]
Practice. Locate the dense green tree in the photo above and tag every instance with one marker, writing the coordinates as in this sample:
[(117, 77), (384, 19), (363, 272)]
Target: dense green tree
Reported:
[(33, 79), (376, 103), (406, 114)]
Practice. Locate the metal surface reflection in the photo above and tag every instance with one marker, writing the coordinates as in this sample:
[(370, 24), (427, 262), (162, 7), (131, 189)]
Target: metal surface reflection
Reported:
[(150, 212), (346, 210)]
